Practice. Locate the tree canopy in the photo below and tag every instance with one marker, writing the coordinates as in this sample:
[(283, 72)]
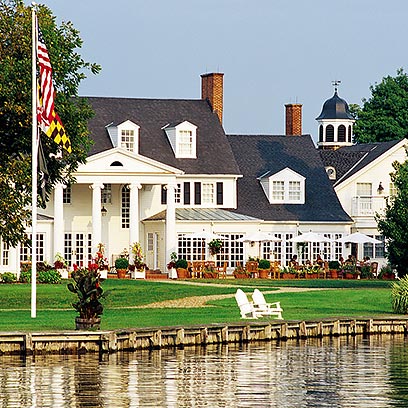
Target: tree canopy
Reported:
[(384, 116), (69, 69), (393, 224)]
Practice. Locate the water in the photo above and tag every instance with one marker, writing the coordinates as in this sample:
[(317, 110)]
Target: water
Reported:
[(340, 372)]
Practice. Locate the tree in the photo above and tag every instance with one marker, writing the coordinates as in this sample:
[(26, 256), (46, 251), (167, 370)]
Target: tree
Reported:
[(393, 224), (69, 69), (384, 116)]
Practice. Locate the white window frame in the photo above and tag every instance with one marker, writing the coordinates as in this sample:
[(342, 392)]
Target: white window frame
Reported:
[(284, 187), (106, 194), (208, 193), (183, 139), (67, 194)]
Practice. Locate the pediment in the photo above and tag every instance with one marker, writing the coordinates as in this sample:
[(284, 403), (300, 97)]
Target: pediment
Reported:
[(121, 161)]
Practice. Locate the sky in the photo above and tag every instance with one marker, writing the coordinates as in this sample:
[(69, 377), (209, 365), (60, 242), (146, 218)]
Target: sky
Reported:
[(272, 52)]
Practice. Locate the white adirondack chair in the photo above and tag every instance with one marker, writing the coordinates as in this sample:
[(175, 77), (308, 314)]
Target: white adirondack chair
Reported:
[(246, 308), (265, 309)]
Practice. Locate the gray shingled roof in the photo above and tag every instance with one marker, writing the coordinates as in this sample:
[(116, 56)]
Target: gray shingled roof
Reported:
[(258, 154), (349, 160), (214, 155), (203, 214)]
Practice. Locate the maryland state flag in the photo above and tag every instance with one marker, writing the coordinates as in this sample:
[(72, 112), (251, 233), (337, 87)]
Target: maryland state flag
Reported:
[(48, 120)]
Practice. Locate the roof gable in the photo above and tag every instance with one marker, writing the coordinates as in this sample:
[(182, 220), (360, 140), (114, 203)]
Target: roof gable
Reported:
[(258, 154)]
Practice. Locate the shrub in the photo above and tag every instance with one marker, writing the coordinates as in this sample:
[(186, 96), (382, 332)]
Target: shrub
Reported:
[(399, 295), (51, 276), (121, 263), (8, 277), (25, 276), (366, 272), (181, 263), (264, 264), (334, 265)]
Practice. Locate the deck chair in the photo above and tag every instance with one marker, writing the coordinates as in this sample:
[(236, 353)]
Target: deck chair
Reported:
[(246, 308), (266, 309)]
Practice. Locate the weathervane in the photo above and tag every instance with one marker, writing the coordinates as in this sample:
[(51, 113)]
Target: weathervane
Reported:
[(336, 83)]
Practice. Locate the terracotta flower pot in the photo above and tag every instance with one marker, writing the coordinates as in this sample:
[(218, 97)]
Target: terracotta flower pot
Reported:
[(263, 273), (121, 273), (182, 273)]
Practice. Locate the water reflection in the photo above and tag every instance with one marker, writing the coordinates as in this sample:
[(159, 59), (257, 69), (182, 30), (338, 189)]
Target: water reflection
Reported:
[(341, 372)]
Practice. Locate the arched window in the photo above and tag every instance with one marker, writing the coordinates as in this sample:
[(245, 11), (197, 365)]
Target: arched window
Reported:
[(321, 133), (349, 134), (341, 134), (125, 206), (116, 163), (330, 133)]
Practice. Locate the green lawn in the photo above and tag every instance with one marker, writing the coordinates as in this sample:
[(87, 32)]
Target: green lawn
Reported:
[(54, 311)]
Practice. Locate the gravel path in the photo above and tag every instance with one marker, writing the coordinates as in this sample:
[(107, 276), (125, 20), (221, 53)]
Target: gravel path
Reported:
[(201, 301)]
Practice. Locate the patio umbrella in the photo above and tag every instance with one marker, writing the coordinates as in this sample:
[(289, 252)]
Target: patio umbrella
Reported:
[(310, 237), (259, 237), (358, 238)]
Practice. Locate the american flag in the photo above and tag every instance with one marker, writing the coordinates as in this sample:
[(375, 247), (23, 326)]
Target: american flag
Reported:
[(48, 119)]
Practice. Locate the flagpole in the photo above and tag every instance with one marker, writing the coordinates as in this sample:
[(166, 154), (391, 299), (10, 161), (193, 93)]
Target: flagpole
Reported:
[(34, 146)]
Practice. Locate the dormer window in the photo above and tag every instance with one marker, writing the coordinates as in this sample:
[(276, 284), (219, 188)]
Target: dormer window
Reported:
[(127, 139), (183, 139), (284, 187), (125, 135)]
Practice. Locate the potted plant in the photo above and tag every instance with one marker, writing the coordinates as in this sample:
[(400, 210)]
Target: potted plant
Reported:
[(138, 256), (386, 272), (334, 267), (365, 272), (86, 285), (171, 266), (209, 271), (349, 271), (241, 273), (264, 266), (215, 246), (60, 264), (121, 266), (181, 267), (289, 272)]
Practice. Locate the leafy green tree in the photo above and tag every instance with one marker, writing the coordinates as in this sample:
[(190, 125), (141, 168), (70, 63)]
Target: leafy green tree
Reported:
[(69, 69), (384, 116), (393, 224)]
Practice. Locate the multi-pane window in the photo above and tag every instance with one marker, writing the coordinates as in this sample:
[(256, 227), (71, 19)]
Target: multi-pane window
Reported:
[(68, 248), (207, 193), (177, 194), (66, 194), (127, 139), (232, 251), (106, 194), (125, 207), (25, 251), (375, 250), (5, 254), (278, 190), (185, 143), (294, 190), (393, 189)]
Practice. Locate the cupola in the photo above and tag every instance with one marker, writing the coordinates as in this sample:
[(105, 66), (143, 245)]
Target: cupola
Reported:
[(335, 123)]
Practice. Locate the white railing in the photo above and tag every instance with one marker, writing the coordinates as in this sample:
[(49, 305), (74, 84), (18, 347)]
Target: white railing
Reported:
[(367, 205)]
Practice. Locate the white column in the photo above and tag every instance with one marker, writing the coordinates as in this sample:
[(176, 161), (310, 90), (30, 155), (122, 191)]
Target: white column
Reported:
[(134, 212), (58, 219), (96, 215), (171, 239)]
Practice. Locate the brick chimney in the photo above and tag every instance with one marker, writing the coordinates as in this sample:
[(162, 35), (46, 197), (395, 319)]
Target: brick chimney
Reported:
[(212, 89), (293, 119)]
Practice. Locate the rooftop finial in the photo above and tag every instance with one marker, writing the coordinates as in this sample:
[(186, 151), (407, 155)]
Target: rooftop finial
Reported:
[(336, 83)]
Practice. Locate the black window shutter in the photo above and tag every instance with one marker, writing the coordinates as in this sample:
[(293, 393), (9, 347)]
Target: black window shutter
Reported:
[(197, 193), (186, 193), (220, 193), (163, 194)]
